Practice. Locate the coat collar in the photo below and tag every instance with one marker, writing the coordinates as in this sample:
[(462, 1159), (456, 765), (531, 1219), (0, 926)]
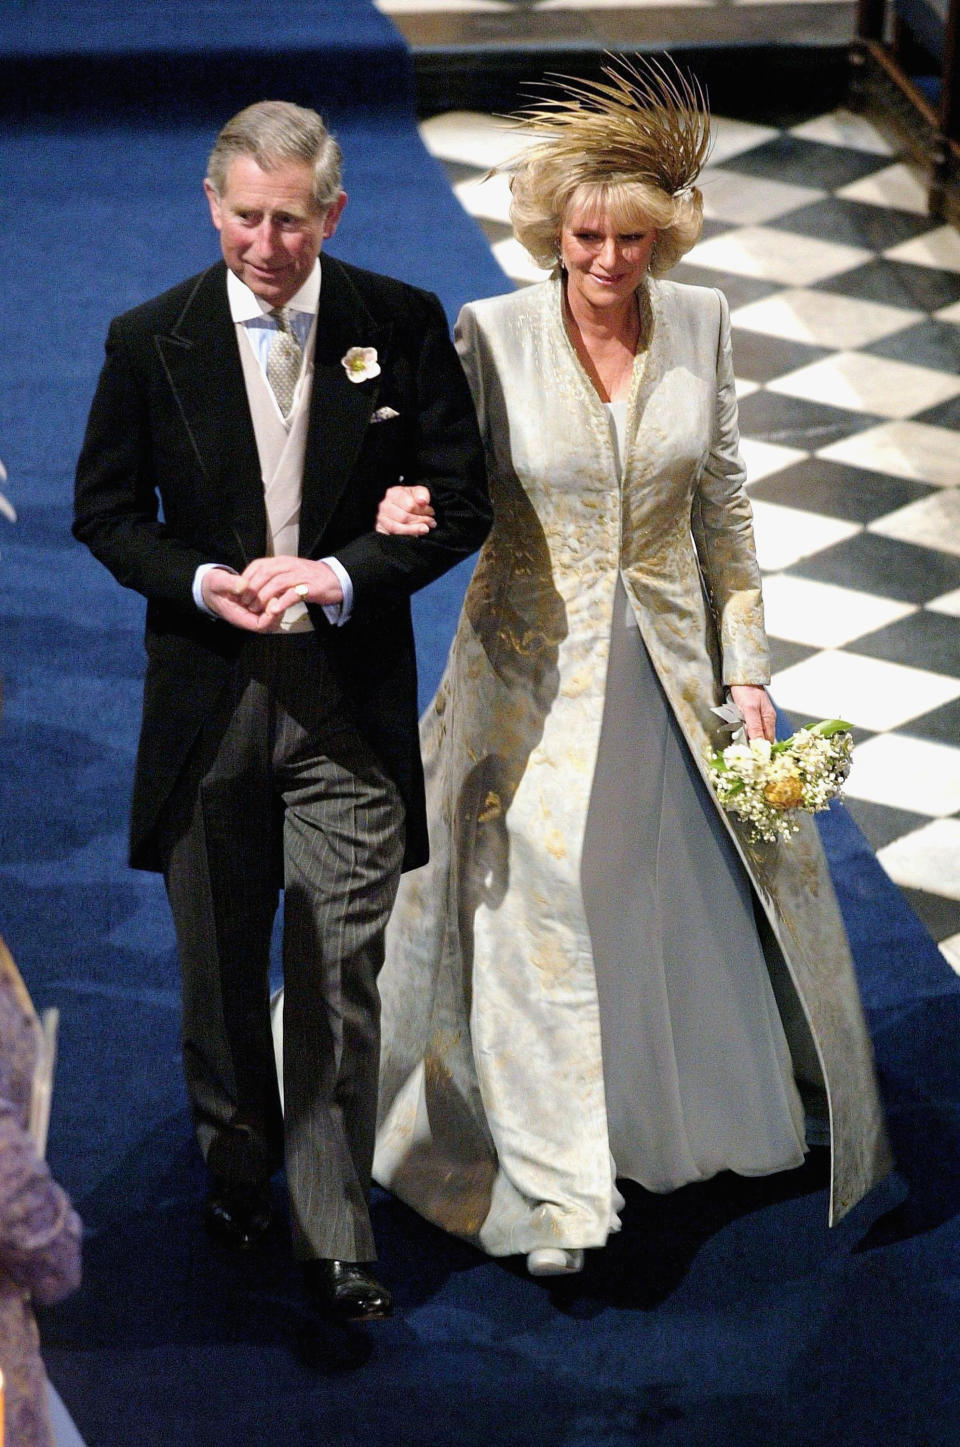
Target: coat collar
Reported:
[(202, 363)]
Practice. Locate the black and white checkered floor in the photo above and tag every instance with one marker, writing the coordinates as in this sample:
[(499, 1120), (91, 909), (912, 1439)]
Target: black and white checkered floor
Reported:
[(845, 302)]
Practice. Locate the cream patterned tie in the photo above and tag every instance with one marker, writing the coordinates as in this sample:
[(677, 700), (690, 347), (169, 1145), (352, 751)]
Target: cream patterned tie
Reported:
[(283, 361)]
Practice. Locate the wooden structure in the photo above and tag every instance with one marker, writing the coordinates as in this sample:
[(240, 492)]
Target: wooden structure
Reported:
[(916, 43)]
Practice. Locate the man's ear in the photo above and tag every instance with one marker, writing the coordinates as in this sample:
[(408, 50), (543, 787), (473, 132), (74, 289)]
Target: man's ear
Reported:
[(332, 218), (214, 202)]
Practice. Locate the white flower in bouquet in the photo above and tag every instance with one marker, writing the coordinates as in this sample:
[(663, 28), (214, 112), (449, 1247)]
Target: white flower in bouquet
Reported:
[(767, 784)]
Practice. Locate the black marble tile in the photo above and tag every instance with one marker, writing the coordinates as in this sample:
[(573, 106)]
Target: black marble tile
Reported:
[(884, 566), (784, 653), (945, 414), (806, 163), (880, 824), (836, 490), (712, 227), (896, 283), (927, 344), (796, 422), (854, 223), (739, 290), (921, 640), (457, 171), (941, 725), (789, 722), (758, 357), (939, 915), (494, 231)]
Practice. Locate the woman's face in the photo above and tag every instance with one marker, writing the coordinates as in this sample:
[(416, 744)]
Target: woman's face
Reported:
[(604, 263)]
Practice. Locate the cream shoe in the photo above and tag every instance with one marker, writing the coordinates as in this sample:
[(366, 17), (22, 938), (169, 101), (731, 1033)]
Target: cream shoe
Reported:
[(554, 1261)]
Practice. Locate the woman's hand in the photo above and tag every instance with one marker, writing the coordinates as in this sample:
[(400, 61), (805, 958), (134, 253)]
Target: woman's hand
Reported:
[(405, 512), (759, 715)]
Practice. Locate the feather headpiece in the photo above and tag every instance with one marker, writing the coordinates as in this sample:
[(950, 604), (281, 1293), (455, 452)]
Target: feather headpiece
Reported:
[(645, 122)]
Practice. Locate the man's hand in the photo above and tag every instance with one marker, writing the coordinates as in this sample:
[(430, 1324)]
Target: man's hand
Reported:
[(405, 512), (759, 714), (258, 598)]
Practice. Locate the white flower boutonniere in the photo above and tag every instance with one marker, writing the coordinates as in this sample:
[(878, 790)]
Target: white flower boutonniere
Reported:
[(360, 363)]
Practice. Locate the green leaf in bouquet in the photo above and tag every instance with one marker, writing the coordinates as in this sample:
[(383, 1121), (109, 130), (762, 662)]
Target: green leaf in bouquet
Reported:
[(830, 726)]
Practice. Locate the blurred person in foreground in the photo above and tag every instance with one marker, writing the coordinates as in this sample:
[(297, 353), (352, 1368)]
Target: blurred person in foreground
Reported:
[(39, 1231)]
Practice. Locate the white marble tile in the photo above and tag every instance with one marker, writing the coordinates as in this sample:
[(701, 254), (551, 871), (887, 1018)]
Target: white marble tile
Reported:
[(822, 614), (517, 262), (843, 128), (948, 603), (471, 138), (864, 383), (929, 858), (732, 138), (867, 691), (931, 522), (786, 534), (896, 186), (617, 4), (748, 200), (762, 459), (913, 450), (826, 321), (777, 255), (950, 949), (939, 248), (949, 313), (486, 198), (905, 773)]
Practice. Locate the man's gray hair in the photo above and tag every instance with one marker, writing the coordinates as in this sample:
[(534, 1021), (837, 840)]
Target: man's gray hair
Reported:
[(274, 131)]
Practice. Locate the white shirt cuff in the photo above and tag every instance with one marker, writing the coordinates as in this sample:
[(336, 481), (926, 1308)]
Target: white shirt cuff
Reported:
[(339, 613), (198, 578)]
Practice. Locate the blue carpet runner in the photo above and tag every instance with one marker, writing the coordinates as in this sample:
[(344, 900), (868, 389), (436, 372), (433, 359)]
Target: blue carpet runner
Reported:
[(723, 1314)]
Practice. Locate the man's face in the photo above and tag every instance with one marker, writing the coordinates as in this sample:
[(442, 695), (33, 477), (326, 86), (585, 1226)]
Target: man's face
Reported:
[(271, 230)]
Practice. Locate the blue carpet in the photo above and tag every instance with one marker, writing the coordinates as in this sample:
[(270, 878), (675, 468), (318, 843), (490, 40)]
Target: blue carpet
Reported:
[(724, 1314), (330, 29)]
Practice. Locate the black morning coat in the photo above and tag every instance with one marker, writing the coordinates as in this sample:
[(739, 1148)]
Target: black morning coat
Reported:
[(169, 478)]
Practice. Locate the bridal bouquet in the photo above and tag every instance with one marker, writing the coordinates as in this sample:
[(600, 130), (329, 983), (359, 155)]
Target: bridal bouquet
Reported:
[(765, 784)]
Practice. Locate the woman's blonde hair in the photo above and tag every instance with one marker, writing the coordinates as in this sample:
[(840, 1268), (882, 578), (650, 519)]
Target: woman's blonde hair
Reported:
[(543, 194), (630, 145)]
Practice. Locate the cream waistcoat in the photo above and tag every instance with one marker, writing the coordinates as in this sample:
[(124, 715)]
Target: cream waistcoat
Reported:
[(281, 447)]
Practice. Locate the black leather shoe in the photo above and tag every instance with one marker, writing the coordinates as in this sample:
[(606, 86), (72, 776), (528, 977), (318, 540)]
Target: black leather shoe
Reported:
[(238, 1216), (346, 1291)]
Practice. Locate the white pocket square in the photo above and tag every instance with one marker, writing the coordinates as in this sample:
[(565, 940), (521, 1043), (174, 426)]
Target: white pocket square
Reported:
[(384, 414)]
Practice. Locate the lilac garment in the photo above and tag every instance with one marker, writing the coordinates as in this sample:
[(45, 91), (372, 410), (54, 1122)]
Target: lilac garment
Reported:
[(39, 1232)]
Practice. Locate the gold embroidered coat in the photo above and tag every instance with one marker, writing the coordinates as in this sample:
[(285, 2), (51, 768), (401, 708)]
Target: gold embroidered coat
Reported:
[(489, 982)]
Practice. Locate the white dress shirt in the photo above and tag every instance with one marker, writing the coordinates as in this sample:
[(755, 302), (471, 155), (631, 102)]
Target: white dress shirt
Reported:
[(247, 310)]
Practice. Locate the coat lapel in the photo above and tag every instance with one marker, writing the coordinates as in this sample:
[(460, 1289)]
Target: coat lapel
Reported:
[(340, 410), (200, 358), (202, 364)]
